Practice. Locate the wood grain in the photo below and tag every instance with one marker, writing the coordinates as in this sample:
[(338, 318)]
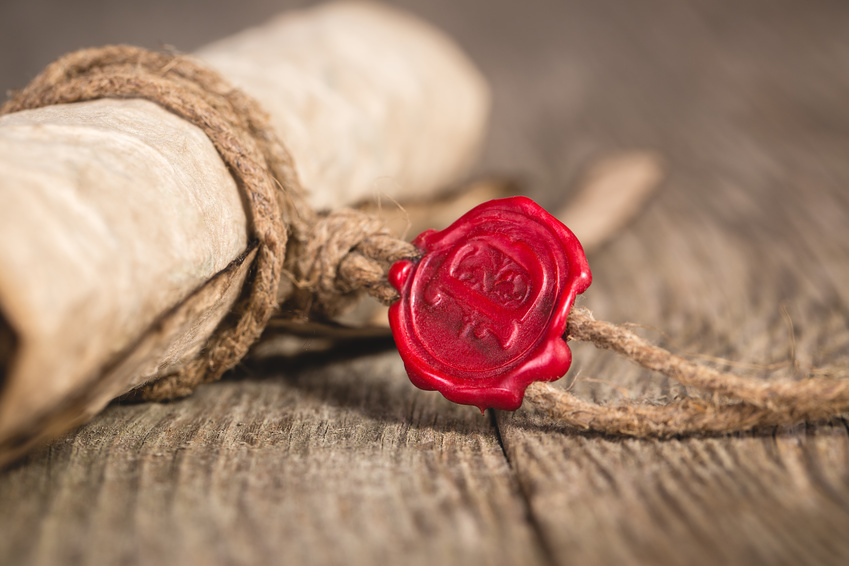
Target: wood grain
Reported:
[(340, 463), (334, 458)]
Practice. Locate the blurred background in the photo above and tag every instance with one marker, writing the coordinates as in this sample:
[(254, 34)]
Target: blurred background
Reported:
[(570, 77)]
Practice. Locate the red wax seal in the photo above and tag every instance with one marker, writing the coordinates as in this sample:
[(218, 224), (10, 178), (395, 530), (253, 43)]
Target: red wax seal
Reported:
[(482, 314)]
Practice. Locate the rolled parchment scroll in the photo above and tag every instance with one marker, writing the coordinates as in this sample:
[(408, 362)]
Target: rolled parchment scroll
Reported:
[(123, 236)]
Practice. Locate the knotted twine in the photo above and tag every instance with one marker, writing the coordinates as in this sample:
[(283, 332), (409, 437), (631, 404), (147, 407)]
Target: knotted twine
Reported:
[(326, 260)]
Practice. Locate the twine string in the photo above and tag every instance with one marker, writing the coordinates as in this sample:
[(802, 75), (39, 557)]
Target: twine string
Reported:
[(346, 251), (753, 403), (330, 257)]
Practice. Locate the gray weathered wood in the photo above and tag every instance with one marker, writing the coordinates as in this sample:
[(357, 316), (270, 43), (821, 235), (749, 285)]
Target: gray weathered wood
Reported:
[(344, 463), (745, 255)]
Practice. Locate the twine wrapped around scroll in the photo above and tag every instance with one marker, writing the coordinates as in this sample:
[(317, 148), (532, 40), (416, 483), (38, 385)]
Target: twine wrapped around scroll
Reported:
[(239, 131), (340, 252)]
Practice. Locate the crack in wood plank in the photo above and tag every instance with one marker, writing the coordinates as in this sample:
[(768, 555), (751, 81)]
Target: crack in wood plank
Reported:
[(536, 527)]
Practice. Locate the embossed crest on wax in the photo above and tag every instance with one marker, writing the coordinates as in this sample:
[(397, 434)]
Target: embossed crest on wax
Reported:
[(482, 314)]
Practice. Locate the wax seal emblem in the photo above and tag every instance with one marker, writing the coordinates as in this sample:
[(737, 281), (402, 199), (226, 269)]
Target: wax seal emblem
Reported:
[(482, 314)]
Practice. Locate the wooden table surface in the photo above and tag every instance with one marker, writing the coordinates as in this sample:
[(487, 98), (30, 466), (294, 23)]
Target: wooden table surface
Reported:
[(337, 459)]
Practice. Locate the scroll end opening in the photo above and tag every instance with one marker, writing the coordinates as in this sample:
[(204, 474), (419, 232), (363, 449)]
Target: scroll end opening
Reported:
[(8, 346)]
